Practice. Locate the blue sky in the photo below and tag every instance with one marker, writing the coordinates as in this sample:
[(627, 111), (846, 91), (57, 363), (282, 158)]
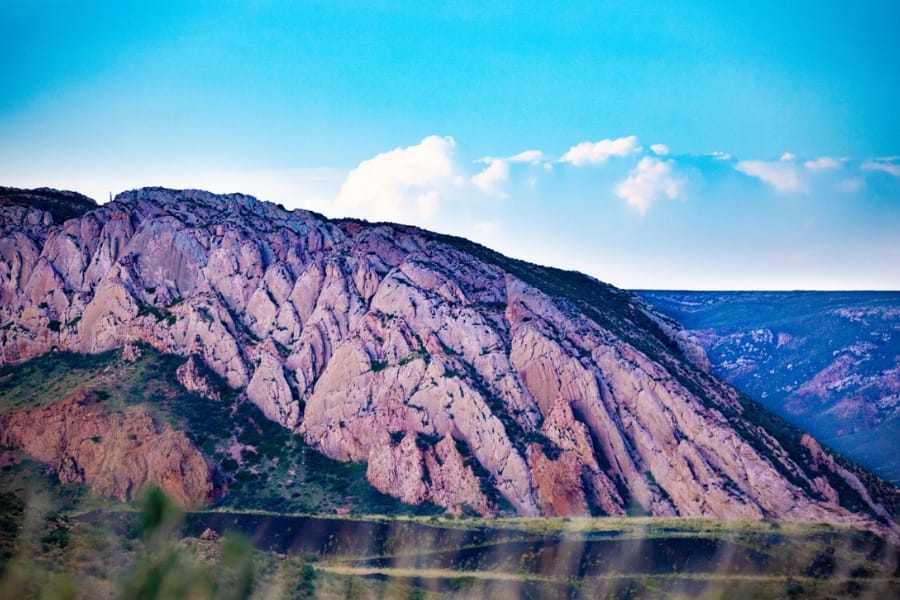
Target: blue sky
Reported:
[(700, 145)]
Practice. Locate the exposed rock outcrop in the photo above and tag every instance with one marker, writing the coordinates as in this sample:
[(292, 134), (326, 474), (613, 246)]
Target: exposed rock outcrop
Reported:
[(194, 379), (416, 469), (115, 454), (396, 346)]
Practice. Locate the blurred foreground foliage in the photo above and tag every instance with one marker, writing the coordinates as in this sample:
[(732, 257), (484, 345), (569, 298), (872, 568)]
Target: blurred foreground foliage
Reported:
[(49, 556), (56, 549)]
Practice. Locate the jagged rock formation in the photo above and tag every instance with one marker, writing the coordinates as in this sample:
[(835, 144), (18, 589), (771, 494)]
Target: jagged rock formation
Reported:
[(462, 377), (191, 375), (116, 455)]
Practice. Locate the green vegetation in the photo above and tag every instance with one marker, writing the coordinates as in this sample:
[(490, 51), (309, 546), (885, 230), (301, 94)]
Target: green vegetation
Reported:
[(282, 473), (274, 469), (54, 543), (153, 550), (160, 314), (55, 555)]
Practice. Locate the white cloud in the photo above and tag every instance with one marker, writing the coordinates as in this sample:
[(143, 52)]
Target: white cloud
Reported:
[(788, 157), (492, 177), (490, 180), (852, 185), (649, 180), (395, 183), (720, 155), (599, 152), (659, 149), (887, 165), (528, 156), (781, 175), (824, 163)]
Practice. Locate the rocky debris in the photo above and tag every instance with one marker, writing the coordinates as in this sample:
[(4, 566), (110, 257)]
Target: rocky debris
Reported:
[(131, 353), (115, 454), (192, 376), (462, 377), (558, 484)]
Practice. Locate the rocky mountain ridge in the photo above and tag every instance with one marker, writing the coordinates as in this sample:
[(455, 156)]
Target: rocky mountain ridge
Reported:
[(829, 362), (460, 376)]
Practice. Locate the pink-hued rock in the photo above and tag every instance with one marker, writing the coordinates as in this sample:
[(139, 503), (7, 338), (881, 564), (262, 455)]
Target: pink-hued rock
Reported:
[(558, 484), (116, 455), (569, 396), (191, 376)]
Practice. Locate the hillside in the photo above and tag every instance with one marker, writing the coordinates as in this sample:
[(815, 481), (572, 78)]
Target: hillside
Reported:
[(829, 362), (458, 376)]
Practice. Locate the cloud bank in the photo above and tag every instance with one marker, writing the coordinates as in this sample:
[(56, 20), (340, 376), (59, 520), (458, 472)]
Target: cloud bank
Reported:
[(588, 153), (650, 180), (395, 183), (781, 175)]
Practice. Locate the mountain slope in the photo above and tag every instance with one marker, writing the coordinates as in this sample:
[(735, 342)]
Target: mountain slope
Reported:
[(460, 376), (827, 361)]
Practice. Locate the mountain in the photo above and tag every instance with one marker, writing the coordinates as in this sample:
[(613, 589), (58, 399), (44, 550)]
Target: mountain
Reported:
[(829, 362), (459, 376)]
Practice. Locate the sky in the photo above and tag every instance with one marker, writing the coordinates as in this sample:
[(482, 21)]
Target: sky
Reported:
[(659, 145)]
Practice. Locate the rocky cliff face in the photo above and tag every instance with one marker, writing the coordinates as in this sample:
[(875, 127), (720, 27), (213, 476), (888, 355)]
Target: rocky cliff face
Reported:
[(462, 377), (116, 455)]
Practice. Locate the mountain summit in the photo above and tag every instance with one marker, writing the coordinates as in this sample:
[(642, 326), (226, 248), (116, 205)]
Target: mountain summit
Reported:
[(460, 376)]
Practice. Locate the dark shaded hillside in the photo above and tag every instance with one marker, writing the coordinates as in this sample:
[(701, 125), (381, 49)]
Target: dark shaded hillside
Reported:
[(829, 362), (62, 205)]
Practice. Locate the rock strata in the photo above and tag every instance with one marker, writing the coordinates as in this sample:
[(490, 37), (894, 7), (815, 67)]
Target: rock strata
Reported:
[(460, 376)]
